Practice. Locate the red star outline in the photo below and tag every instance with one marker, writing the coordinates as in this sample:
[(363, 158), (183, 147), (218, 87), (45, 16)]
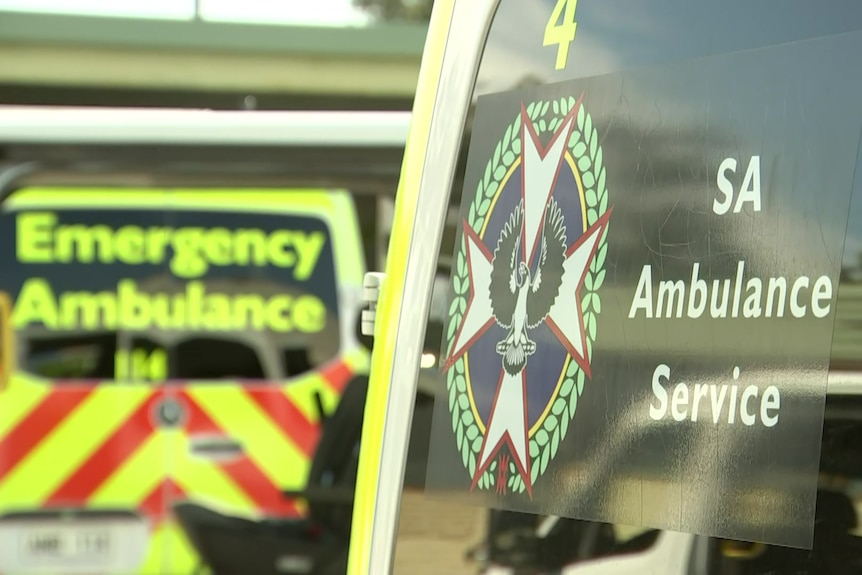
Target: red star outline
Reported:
[(583, 362), (506, 438)]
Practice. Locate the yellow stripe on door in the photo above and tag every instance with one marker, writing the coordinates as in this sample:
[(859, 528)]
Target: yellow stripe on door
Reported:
[(359, 361), (301, 394), (138, 476), (19, 399), (181, 556), (169, 552), (70, 445), (156, 561), (262, 441)]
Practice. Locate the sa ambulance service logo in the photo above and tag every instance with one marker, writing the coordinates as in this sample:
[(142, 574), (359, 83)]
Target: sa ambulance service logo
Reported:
[(526, 281)]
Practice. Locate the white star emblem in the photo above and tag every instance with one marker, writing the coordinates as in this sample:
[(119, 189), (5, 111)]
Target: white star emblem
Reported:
[(507, 422)]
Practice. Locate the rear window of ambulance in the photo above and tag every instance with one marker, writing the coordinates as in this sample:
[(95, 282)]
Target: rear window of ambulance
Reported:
[(88, 283)]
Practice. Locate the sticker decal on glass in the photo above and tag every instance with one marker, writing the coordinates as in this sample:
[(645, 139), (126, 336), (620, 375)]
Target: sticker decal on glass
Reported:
[(534, 237), (643, 291)]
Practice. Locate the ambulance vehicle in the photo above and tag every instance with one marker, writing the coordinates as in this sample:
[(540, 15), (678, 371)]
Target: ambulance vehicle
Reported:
[(184, 290)]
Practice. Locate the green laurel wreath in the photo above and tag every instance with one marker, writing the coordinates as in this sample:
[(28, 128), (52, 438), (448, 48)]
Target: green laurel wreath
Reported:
[(585, 149)]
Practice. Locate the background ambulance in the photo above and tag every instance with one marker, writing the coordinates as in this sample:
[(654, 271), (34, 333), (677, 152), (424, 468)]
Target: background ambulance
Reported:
[(185, 313)]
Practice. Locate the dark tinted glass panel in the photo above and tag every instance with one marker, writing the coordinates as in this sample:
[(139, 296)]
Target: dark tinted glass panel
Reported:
[(644, 125), (272, 275), (167, 274), (208, 358), (72, 357)]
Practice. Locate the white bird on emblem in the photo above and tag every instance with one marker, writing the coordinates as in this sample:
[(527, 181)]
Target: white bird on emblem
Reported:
[(518, 300)]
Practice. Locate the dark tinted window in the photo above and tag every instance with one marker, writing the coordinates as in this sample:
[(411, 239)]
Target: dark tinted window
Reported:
[(296, 361), (72, 357), (618, 35), (209, 358)]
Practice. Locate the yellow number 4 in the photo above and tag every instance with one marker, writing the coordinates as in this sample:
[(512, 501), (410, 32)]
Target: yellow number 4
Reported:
[(562, 33)]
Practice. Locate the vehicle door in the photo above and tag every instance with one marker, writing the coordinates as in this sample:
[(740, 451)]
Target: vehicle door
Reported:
[(260, 350), (82, 453)]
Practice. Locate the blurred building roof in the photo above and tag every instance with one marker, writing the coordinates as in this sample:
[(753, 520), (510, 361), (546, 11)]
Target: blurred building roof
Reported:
[(339, 50)]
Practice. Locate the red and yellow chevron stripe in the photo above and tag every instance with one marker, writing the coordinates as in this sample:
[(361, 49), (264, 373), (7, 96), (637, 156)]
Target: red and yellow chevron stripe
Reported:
[(76, 444)]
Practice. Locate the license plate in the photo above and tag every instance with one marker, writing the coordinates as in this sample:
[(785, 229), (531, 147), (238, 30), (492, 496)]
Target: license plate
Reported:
[(73, 546), (66, 544)]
